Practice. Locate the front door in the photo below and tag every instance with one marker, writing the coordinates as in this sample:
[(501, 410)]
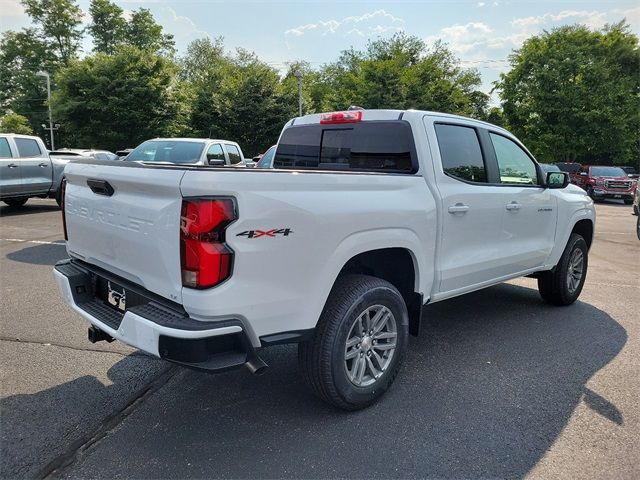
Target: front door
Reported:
[(35, 167)]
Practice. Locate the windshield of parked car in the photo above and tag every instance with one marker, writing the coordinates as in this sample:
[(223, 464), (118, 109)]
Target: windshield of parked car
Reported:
[(167, 151), (569, 167), (607, 172), (265, 161), (550, 168)]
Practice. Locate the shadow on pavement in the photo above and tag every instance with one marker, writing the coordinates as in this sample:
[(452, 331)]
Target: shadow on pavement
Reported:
[(45, 254), (37, 428), (484, 392), (7, 211)]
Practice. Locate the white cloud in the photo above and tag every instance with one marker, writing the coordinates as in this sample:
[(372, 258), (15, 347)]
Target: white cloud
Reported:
[(12, 8), (370, 23), (183, 29), (633, 17), (464, 38), (593, 19), (481, 4)]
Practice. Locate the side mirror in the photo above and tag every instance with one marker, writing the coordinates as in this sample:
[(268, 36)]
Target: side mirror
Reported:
[(216, 162), (557, 179)]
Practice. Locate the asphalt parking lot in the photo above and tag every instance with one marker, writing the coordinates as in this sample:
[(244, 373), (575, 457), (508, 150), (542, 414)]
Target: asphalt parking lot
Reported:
[(499, 385)]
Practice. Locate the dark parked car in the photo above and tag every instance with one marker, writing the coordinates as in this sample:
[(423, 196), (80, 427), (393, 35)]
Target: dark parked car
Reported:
[(550, 167), (631, 172)]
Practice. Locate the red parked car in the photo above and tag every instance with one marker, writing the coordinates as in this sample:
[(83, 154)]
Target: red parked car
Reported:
[(602, 182)]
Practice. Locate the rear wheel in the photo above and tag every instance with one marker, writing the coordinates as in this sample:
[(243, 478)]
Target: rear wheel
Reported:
[(562, 286), (15, 202), (359, 343)]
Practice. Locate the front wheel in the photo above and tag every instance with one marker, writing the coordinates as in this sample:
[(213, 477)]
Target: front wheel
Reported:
[(15, 202), (628, 201), (359, 342), (562, 285)]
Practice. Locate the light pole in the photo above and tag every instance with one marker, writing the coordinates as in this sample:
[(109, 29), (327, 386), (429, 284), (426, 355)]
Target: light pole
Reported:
[(298, 75), (42, 73)]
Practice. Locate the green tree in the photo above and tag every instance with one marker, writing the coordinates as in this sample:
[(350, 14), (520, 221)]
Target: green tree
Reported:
[(14, 123), (573, 94), (402, 72), (120, 100), (108, 26), (22, 54), (58, 25), (143, 32)]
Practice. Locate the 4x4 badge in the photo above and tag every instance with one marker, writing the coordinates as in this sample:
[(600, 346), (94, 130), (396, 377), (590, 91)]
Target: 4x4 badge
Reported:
[(285, 232)]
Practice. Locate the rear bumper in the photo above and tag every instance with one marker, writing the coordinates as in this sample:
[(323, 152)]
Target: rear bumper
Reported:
[(157, 328)]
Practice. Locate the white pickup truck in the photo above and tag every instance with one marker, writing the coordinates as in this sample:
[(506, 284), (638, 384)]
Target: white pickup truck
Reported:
[(366, 216)]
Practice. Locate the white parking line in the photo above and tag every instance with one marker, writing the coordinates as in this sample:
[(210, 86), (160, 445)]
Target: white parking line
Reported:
[(615, 233), (613, 284), (38, 242)]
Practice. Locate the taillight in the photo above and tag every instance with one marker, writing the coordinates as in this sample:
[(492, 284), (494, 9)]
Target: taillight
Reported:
[(205, 258), (63, 187), (341, 117)]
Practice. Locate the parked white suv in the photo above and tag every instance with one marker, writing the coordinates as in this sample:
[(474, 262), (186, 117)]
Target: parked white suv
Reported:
[(364, 217)]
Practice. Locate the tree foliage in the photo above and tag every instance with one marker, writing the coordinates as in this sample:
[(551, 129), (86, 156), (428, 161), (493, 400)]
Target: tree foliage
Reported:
[(58, 26), (108, 26), (402, 72), (116, 101), (143, 32), (14, 123), (573, 94)]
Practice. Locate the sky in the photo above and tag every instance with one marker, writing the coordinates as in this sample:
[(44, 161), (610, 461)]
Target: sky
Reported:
[(482, 33)]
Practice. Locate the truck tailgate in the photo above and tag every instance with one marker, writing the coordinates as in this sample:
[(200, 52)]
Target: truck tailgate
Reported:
[(125, 218)]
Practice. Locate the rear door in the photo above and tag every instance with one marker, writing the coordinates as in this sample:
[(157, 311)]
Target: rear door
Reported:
[(126, 220), (233, 152), (35, 166), (10, 180)]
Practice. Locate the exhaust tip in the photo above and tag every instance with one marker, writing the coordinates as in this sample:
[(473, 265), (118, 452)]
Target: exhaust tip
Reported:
[(256, 365)]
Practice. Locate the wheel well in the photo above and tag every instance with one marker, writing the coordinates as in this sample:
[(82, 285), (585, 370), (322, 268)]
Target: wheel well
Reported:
[(584, 228), (395, 265)]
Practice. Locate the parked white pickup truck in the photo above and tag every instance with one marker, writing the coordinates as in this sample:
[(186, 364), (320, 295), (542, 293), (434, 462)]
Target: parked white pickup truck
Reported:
[(190, 151), (365, 217)]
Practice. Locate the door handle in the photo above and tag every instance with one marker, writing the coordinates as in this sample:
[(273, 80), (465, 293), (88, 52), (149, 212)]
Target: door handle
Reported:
[(43, 165), (513, 206), (458, 208), (12, 165)]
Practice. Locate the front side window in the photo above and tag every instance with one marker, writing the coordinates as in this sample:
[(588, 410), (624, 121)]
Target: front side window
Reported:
[(5, 151), (460, 152), (516, 167), (167, 151), (368, 146), (267, 158), (234, 154), (215, 152), (27, 147)]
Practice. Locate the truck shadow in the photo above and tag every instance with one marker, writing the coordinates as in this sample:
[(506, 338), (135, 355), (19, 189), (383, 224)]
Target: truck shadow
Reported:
[(45, 254), (484, 392), (7, 211)]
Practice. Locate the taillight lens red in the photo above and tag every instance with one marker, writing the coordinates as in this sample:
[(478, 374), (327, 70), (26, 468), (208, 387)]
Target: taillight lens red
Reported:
[(206, 259), (341, 117), (63, 187)]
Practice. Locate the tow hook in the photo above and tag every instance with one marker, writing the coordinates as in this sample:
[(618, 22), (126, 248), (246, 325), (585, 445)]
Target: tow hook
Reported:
[(255, 364), (97, 335)]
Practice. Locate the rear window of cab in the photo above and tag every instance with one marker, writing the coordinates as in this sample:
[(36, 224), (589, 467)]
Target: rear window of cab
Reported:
[(373, 146)]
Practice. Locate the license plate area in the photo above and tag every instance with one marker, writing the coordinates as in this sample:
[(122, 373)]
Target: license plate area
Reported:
[(116, 296)]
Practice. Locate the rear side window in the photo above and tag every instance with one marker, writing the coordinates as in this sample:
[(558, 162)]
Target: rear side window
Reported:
[(5, 151), (27, 147), (366, 146), (460, 152), (234, 154)]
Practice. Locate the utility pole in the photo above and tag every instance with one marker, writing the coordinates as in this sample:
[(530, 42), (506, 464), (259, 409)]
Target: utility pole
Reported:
[(298, 75), (46, 75)]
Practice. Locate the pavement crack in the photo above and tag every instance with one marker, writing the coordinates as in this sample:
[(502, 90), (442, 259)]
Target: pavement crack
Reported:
[(68, 458), (70, 347)]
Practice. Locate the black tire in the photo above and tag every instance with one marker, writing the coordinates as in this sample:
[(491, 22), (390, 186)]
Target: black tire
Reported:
[(638, 227), (15, 202), (322, 359), (628, 201), (59, 196), (554, 285)]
